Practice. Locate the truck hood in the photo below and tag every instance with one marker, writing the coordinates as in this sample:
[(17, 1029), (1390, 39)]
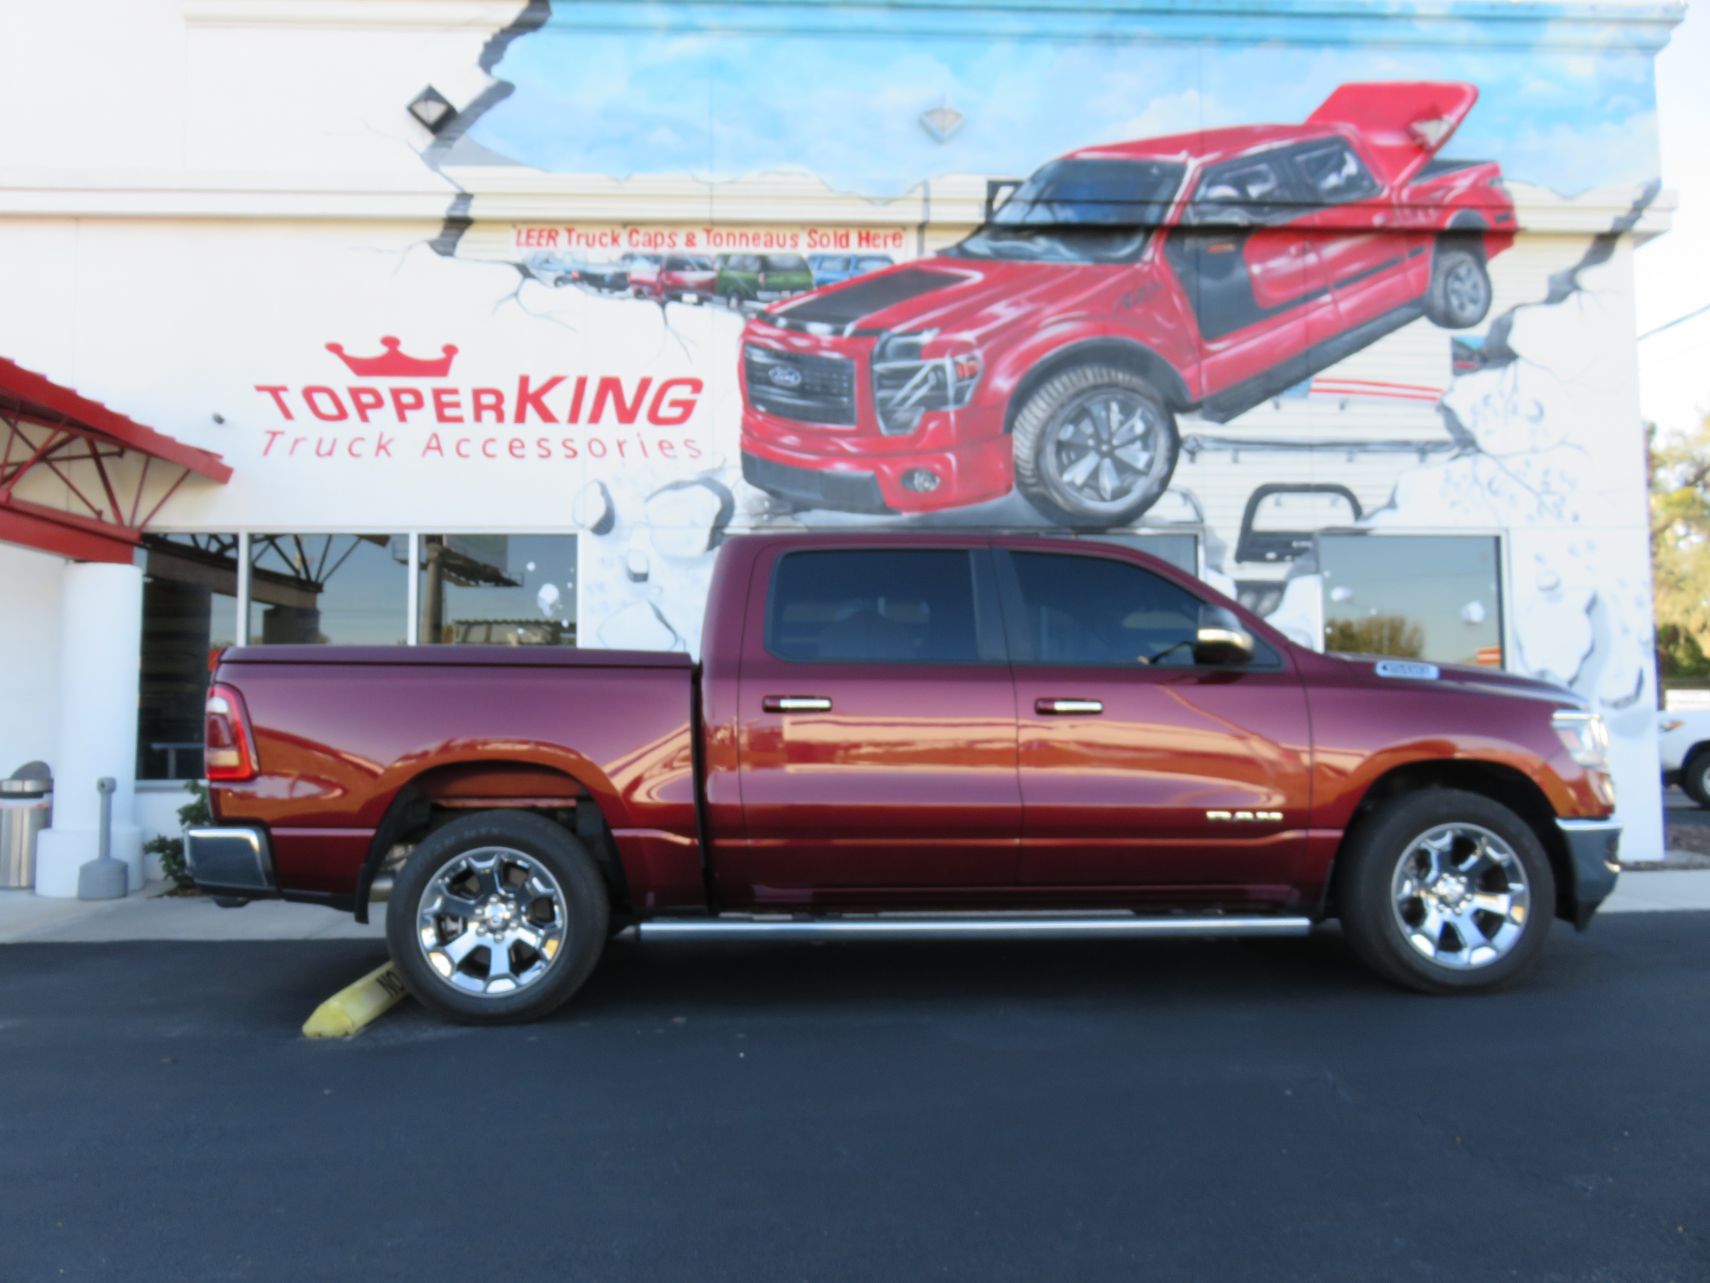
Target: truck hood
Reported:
[(1468, 677), (940, 291)]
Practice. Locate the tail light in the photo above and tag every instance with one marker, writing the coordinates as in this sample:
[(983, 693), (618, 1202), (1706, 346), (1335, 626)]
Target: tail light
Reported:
[(228, 749)]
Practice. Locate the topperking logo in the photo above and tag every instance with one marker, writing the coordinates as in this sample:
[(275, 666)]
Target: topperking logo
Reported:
[(409, 404)]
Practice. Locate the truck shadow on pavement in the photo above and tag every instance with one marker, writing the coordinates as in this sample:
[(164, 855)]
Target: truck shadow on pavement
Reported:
[(269, 988)]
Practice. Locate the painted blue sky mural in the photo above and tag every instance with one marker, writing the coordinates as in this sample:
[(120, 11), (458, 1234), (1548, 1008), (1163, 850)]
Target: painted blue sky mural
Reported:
[(721, 91)]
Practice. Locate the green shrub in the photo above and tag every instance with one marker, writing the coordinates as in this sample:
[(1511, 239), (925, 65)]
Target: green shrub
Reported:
[(170, 849)]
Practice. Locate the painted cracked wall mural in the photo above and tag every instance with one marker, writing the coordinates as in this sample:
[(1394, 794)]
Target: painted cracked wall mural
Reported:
[(1307, 297), (1125, 278)]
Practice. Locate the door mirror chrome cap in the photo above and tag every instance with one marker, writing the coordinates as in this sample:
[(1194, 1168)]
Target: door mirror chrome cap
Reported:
[(1221, 639)]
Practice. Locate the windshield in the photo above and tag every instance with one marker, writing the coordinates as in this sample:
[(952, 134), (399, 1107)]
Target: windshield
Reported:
[(1079, 211)]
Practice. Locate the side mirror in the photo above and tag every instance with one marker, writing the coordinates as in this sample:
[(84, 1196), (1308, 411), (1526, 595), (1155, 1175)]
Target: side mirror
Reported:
[(1221, 639)]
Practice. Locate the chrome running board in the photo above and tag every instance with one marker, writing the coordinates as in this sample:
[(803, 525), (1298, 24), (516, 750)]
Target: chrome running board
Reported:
[(1042, 926)]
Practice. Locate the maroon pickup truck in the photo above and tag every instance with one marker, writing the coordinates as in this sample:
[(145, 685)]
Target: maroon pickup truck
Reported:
[(908, 736)]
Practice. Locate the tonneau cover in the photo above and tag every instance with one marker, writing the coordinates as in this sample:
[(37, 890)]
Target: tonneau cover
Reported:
[(456, 657)]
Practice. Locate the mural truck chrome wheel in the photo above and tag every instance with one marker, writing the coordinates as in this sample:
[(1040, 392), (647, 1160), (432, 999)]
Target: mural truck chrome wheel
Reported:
[(1094, 446), (1104, 448), (1468, 291), (492, 922), (1460, 287), (1460, 896)]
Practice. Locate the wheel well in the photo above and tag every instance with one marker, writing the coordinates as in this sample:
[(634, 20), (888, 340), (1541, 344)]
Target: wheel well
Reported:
[(1128, 356), (1501, 784), (442, 793), (1467, 229)]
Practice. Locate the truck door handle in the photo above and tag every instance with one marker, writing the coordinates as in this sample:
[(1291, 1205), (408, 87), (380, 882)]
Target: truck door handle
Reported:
[(1068, 706), (796, 704)]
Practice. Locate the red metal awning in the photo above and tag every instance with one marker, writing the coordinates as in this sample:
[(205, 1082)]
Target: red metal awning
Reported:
[(100, 459)]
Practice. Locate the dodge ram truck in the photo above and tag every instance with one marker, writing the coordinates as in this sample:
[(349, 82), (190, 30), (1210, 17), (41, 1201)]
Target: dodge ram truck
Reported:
[(922, 735), (1052, 349)]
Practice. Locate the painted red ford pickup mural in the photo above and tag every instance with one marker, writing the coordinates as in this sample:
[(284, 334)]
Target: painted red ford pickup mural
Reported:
[(1121, 285), (924, 736)]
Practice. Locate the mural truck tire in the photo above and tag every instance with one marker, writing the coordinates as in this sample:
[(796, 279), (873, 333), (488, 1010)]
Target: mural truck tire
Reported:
[(497, 917), (1445, 892), (1695, 777), (1459, 296), (1095, 446)]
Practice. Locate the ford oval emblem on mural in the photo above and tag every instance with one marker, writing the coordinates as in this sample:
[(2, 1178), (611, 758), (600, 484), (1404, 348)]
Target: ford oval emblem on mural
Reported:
[(785, 376)]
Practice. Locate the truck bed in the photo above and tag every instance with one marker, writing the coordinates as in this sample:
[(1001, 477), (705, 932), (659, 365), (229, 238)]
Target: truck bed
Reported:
[(350, 737)]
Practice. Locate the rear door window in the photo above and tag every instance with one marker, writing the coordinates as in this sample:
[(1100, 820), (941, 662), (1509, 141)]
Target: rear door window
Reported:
[(1334, 173), (874, 605), (1255, 189)]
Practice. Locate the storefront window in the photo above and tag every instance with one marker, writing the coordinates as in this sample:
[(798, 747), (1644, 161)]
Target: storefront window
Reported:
[(511, 590), (1436, 597), (189, 615), (344, 590)]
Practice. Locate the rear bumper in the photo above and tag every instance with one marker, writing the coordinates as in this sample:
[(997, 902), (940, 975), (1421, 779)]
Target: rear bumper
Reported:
[(1593, 851), (231, 860)]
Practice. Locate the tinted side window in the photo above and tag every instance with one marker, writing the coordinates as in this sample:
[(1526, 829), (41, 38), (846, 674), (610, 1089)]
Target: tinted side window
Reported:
[(1252, 190), (1335, 173), (1090, 610), (873, 606)]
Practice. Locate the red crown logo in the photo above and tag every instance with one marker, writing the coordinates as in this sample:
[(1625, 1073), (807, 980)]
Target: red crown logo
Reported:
[(393, 364)]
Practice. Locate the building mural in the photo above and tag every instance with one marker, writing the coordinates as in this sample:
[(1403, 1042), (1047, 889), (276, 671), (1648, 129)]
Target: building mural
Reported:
[(1276, 285)]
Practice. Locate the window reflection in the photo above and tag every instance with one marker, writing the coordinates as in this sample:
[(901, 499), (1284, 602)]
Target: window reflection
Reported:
[(511, 590), (342, 590), (1435, 597)]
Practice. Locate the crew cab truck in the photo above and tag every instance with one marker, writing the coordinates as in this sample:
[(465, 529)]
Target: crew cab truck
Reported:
[(1118, 287), (936, 735)]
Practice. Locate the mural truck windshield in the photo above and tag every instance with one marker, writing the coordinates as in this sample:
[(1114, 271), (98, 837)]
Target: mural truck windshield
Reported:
[(1093, 211)]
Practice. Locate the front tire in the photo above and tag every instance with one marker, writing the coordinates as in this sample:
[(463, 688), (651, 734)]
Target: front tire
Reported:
[(1695, 778), (1095, 446), (497, 917), (1459, 294), (1445, 892)]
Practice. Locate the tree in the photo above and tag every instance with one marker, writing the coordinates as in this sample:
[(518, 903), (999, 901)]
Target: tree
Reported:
[(1680, 551), (1375, 635)]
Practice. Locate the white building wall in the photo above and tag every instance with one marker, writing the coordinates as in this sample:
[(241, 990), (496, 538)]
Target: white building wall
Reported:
[(29, 656)]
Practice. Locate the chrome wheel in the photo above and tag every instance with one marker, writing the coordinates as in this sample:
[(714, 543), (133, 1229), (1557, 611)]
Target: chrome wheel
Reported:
[(1467, 291), (1460, 896), (491, 922), (1104, 448)]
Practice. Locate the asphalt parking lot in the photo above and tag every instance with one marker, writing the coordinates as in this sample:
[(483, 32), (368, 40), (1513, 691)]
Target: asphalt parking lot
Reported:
[(1185, 1110)]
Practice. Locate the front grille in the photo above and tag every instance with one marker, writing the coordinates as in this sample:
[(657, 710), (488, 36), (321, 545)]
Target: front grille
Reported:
[(811, 389)]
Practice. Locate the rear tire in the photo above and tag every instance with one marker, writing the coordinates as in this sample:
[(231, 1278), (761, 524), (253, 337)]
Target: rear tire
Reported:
[(1459, 294), (1095, 446), (496, 918), (1445, 892), (1695, 777)]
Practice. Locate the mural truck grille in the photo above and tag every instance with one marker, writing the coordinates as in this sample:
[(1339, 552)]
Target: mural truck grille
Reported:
[(811, 389)]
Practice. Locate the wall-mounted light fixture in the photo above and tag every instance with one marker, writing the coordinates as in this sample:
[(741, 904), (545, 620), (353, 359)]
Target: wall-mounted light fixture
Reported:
[(432, 109)]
